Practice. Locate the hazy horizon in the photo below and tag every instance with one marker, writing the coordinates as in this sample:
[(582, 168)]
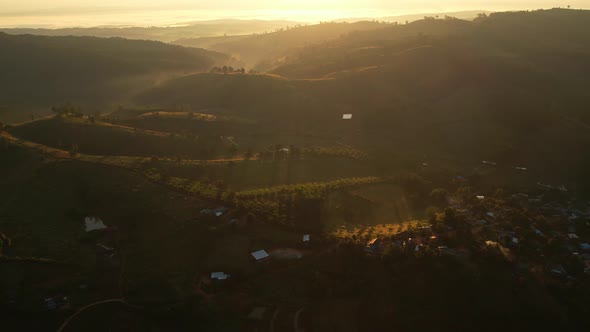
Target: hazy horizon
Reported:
[(91, 13)]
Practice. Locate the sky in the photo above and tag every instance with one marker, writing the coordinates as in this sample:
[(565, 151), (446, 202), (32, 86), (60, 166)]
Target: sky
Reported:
[(64, 13)]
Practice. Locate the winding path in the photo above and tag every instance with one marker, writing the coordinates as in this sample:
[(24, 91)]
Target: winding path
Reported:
[(67, 321), (296, 320)]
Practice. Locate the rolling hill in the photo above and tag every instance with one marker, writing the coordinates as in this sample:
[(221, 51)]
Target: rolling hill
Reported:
[(164, 34), (447, 88), (196, 170), (262, 51), (41, 71)]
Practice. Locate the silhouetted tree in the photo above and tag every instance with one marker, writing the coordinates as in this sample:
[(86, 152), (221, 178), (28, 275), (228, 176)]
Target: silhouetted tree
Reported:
[(248, 154), (74, 150), (439, 195), (66, 110), (430, 213), (233, 149), (450, 216)]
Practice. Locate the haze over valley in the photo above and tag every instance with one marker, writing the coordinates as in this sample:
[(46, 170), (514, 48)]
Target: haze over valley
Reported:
[(294, 166)]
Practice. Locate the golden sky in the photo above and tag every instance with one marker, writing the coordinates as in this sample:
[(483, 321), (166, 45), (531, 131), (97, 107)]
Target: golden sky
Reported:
[(159, 12)]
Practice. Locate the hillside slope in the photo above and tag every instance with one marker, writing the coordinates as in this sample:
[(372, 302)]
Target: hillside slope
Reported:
[(508, 87), (42, 71), (264, 50)]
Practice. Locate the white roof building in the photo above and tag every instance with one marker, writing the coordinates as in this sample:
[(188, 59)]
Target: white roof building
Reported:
[(257, 313), (346, 116), (93, 223), (259, 255), (219, 275), (480, 197), (306, 238), (573, 236)]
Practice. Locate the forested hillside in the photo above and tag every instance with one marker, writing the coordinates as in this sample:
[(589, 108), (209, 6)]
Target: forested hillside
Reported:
[(262, 51), (43, 71), (438, 87)]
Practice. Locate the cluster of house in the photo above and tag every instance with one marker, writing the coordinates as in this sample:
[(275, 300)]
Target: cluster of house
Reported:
[(562, 223), (508, 240), (416, 241), (258, 256)]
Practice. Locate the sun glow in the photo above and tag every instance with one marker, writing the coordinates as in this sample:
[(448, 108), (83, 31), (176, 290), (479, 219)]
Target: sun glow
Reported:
[(85, 13)]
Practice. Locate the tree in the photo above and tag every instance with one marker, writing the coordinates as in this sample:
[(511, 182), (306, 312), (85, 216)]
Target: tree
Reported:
[(66, 110), (464, 192), (430, 213), (233, 149), (74, 150), (248, 154), (439, 195), (450, 216)]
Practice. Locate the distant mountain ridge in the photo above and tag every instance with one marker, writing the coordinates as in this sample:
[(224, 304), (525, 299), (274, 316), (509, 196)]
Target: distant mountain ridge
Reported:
[(164, 34), (463, 15), (261, 51)]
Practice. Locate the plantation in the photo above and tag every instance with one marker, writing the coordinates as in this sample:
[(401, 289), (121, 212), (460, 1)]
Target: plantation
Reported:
[(250, 174)]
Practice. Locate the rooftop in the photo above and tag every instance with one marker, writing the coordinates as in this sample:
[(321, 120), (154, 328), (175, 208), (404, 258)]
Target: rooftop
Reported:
[(260, 254)]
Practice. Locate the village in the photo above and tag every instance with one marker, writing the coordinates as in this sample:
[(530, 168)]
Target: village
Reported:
[(267, 255), (543, 233)]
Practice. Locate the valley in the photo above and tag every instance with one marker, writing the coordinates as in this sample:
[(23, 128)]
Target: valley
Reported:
[(366, 176)]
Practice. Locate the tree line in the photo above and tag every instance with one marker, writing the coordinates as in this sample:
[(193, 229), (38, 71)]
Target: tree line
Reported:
[(227, 70)]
